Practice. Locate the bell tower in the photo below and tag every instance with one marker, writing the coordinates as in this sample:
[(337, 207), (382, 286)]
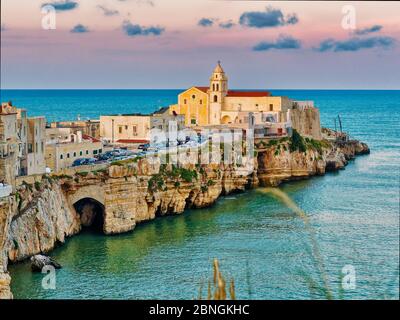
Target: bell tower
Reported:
[(218, 90)]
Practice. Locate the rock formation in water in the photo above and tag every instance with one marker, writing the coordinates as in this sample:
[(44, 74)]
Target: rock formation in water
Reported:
[(39, 261)]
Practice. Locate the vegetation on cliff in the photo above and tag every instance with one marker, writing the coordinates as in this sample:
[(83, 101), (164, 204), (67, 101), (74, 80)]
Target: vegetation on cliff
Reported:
[(174, 175), (294, 143)]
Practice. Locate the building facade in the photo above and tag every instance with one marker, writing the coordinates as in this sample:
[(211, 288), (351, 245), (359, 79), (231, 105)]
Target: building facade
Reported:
[(88, 127), (22, 141), (136, 128), (216, 104), (63, 147)]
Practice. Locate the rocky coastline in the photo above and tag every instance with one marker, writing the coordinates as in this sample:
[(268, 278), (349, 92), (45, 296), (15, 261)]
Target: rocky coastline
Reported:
[(40, 216)]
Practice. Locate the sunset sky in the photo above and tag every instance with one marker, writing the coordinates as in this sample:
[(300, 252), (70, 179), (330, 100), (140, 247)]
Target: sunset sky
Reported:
[(176, 44)]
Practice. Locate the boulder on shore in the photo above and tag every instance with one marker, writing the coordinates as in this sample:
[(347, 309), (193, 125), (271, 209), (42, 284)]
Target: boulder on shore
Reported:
[(39, 261)]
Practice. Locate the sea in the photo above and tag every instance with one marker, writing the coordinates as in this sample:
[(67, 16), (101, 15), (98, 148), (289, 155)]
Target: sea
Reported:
[(259, 242)]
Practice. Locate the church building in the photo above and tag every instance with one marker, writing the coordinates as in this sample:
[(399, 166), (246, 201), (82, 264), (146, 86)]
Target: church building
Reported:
[(217, 104)]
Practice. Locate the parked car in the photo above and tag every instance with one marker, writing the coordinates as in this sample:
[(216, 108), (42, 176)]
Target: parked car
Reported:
[(78, 162), (144, 146), (89, 161), (105, 156)]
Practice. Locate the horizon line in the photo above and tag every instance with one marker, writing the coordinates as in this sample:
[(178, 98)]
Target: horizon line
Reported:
[(263, 89)]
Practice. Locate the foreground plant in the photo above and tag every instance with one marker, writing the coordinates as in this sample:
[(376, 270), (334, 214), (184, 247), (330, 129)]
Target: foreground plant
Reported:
[(217, 290)]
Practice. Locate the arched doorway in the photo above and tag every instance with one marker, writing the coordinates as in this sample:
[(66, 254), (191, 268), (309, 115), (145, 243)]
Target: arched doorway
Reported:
[(91, 213), (226, 120)]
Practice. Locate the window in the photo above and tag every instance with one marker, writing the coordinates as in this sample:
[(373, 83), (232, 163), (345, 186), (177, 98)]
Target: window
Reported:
[(61, 157), (36, 145), (193, 97), (217, 87), (74, 154), (67, 155), (215, 98), (126, 127), (87, 151), (271, 107), (120, 129), (193, 121), (42, 147), (94, 151), (80, 152), (216, 76), (213, 87), (100, 150), (201, 101), (184, 101), (134, 130)]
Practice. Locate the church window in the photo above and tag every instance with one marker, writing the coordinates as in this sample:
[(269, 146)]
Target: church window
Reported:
[(216, 76), (184, 101), (215, 98), (201, 101), (213, 87), (193, 97), (217, 87), (271, 107)]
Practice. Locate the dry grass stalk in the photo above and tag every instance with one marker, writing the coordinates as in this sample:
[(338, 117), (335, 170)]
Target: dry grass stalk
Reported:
[(283, 197), (218, 290)]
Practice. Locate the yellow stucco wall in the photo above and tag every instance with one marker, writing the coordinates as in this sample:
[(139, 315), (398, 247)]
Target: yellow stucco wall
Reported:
[(254, 104), (193, 103), (189, 105)]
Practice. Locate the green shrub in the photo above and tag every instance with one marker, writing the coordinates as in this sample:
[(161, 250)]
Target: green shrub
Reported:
[(297, 142), (188, 175), (272, 142), (37, 185), (117, 163), (210, 182)]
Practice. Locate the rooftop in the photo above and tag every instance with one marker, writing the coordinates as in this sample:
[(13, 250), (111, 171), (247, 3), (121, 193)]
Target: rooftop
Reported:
[(238, 93)]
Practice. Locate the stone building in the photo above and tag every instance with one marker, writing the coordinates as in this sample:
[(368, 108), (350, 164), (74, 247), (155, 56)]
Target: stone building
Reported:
[(88, 127), (135, 128), (36, 141), (63, 147), (216, 104), (22, 141)]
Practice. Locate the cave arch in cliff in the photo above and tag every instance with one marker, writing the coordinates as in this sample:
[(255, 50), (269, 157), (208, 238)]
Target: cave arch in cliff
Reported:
[(91, 213)]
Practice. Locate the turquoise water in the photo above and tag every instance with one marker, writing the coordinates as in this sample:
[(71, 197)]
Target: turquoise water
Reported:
[(258, 241)]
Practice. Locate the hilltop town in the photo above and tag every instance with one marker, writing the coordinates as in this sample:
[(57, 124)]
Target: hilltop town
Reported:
[(31, 146), (115, 172)]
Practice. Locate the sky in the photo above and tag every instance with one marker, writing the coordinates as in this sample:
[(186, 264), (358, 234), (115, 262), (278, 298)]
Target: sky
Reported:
[(174, 44)]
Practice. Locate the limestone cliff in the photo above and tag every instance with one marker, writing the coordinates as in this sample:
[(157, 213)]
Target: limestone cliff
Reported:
[(41, 215), (284, 160), (42, 219)]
